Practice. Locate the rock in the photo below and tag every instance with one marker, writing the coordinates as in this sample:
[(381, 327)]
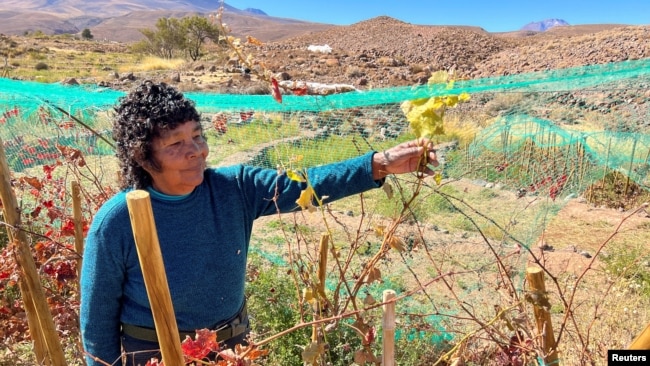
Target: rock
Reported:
[(128, 76), (70, 81), (283, 76), (543, 245)]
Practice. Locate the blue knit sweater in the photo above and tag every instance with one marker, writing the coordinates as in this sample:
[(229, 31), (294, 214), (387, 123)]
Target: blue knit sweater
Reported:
[(204, 240)]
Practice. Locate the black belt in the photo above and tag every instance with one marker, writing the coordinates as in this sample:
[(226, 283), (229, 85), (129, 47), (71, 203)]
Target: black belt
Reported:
[(236, 326)]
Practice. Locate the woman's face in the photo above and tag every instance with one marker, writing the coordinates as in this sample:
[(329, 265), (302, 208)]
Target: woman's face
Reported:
[(181, 155)]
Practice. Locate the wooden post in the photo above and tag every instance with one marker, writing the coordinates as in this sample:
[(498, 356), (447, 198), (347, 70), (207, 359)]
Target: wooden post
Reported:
[(78, 224), (155, 278), (642, 341), (47, 345), (535, 277), (388, 326), (322, 263)]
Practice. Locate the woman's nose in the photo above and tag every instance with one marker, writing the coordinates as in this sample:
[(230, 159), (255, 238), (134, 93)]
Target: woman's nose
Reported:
[(193, 149)]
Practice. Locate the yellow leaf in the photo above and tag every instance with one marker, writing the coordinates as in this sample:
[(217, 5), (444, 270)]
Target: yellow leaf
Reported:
[(425, 118), (451, 100), (307, 294), (312, 352), (379, 231), (388, 189), (295, 176), (438, 77), (438, 178), (426, 115), (396, 243), (306, 199), (373, 275)]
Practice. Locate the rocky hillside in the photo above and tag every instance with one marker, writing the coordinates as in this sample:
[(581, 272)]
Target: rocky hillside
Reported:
[(386, 51)]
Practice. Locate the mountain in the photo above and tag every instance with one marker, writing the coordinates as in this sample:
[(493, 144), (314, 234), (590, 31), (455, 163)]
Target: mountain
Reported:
[(107, 8), (255, 11), (122, 20), (544, 25)]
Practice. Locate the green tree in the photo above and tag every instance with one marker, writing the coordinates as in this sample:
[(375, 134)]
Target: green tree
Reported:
[(173, 36), (85, 34), (198, 30), (166, 41)]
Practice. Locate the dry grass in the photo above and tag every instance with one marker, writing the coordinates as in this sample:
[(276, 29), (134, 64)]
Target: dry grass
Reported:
[(151, 63)]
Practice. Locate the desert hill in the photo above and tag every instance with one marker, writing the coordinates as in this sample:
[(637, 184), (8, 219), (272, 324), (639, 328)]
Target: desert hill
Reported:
[(388, 51), (121, 20)]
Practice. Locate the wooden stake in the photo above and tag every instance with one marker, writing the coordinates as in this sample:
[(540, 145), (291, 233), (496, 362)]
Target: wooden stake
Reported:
[(388, 353), (78, 224), (322, 275), (155, 278), (322, 263), (535, 277), (642, 341), (41, 324)]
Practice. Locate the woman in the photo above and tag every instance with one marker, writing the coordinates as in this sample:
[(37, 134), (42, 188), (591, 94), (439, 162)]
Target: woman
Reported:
[(204, 218)]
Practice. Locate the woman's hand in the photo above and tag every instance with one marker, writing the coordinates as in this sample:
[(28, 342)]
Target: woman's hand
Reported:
[(406, 157)]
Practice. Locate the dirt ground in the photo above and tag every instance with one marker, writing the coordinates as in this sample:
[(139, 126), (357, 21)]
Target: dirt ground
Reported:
[(580, 230)]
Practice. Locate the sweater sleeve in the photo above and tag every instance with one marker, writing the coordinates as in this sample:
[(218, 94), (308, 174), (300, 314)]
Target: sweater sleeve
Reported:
[(269, 192), (102, 277)]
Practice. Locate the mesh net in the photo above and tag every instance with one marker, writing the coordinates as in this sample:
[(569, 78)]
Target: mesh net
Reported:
[(47, 112)]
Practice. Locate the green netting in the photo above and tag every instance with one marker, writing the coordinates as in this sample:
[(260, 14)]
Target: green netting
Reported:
[(512, 135), (45, 109), (30, 96)]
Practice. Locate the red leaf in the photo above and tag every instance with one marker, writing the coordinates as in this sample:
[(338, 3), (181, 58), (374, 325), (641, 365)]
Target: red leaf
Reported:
[(67, 229), (34, 214), (198, 348), (300, 91), (220, 123), (66, 125), (245, 116), (275, 90), (369, 337)]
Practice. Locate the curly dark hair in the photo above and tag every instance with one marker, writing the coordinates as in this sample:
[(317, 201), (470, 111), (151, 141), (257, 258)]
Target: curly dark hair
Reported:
[(140, 116)]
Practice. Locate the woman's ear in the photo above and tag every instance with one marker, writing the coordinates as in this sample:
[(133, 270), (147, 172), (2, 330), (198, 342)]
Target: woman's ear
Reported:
[(149, 165)]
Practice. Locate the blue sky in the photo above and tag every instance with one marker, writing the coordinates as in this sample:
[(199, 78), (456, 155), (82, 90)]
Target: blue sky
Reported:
[(491, 15)]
